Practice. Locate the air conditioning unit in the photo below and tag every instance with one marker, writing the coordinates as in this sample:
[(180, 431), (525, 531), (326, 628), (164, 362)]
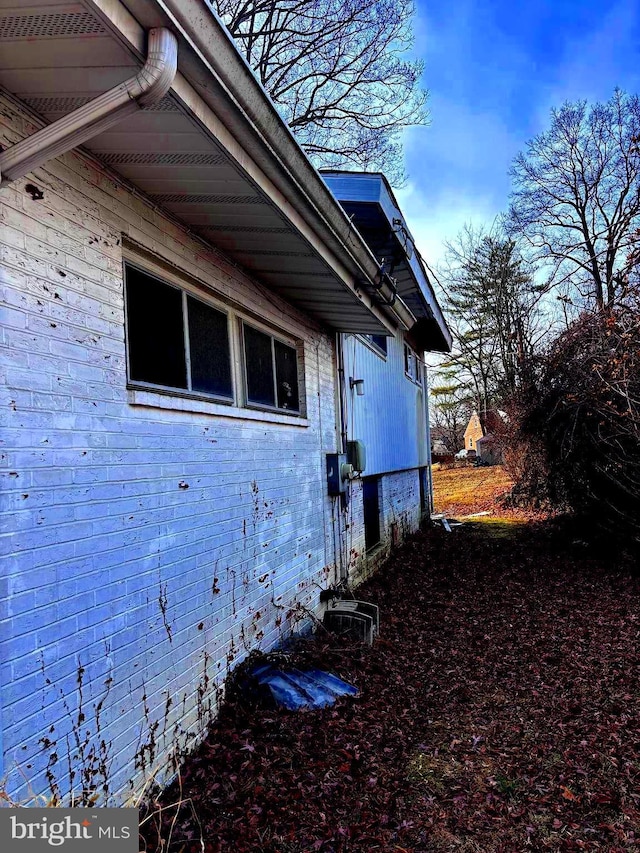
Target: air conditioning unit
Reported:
[(358, 619)]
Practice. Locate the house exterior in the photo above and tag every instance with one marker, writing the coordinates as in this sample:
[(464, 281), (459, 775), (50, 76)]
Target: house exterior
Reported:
[(473, 432), (186, 304), (480, 435)]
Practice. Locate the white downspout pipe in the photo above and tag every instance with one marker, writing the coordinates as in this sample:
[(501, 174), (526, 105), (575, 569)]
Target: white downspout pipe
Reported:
[(148, 86)]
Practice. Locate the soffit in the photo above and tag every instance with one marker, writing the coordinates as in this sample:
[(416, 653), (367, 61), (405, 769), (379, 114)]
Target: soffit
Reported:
[(56, 57), (370, 204)]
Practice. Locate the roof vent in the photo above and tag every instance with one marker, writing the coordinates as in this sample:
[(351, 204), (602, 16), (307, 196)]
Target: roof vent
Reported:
[(186, 158), (51, 25), (66, 103), (177, 198)]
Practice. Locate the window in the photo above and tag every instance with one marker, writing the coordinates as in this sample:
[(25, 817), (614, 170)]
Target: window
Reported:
[(271, 370), (175, 340), (412, 365), (179, 342), (379, 341)]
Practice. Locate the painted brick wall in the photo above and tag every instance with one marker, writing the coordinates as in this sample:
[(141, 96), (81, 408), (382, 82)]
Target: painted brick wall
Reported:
[(148, 547), (400, 515)]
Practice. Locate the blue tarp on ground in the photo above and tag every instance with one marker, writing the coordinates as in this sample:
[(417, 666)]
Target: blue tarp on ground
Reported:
[(294, 689)]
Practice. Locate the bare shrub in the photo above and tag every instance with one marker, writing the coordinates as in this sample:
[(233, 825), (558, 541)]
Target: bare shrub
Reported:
[(576, 435)]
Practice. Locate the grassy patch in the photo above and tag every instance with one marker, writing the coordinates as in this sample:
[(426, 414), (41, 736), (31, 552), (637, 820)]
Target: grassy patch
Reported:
[(465, 490)]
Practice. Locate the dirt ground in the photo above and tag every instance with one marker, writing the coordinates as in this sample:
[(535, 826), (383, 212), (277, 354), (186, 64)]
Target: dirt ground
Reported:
[(499, 710)]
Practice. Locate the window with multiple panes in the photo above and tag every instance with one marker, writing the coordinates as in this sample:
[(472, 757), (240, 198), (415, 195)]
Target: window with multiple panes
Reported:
[(412, 365), (177, 341), (271, 370)]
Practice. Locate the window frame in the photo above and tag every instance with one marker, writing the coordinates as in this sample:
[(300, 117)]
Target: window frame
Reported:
[(185, 292), (379, 351), (274, 336), (410, 356), (236, 317)]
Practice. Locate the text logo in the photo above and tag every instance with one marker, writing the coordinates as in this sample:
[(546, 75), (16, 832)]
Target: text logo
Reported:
[(34, 830)]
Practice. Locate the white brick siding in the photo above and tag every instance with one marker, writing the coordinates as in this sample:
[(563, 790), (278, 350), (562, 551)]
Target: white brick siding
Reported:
[(400, 515), (150, 542)]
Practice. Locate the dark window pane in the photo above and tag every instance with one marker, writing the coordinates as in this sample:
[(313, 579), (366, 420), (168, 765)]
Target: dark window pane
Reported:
[(155, 331), (209, 349), (380, 341), (286, 376), (259, 366)]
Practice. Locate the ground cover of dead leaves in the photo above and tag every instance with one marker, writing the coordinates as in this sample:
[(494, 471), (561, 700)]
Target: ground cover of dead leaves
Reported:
[(499, 711)]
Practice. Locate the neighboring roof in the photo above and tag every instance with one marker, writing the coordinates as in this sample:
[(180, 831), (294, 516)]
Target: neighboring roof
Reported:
[(370, 203), (486, 439), (214, 152)]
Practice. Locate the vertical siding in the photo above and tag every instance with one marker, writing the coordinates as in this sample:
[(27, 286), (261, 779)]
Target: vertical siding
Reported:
[(390, 417)]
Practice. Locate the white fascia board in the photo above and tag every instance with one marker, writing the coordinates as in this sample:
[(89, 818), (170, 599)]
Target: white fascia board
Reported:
[(211, 82)]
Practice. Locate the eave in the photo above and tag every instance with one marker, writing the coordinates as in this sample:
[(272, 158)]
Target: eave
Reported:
[(213, 153), (369, 202)]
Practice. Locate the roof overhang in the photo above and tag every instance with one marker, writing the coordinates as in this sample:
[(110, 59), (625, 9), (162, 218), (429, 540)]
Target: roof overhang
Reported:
[(213, 153), (370, 203)]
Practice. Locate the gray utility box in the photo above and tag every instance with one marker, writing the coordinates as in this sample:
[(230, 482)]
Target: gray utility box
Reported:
[(357, 455), (358, 618)]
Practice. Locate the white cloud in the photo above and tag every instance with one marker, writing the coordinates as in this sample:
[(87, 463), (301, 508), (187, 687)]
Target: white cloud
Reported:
[(431, 224)]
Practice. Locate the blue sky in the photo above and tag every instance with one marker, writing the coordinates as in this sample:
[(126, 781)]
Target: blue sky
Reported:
[(494, 70)]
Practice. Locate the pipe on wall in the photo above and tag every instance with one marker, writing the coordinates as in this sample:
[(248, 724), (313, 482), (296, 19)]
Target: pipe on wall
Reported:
[(146, 88)]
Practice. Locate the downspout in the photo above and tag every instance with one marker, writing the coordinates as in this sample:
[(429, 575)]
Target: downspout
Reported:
[(341, 417), (146, 88), (342, 390)]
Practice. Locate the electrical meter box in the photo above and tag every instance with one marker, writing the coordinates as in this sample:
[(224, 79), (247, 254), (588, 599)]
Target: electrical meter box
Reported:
[(357, 455), (336, 482)]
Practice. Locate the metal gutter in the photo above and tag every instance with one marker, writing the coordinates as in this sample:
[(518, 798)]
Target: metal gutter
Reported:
[(146, 88), (212, 64), (374, 189)]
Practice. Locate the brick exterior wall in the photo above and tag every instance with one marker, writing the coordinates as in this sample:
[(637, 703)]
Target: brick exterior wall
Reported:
[(153, 541), (400, 515), (150, 542)]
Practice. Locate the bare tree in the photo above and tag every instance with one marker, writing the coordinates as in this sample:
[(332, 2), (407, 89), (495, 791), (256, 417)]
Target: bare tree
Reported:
[(576, 197), (337, 71)]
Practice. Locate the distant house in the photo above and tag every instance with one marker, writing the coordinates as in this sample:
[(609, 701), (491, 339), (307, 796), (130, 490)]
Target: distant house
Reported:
[(480, 435), (197, 329), (439, 448), (439, 444)]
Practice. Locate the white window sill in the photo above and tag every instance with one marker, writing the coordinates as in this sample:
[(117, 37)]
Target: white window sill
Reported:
[(154, 400)]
